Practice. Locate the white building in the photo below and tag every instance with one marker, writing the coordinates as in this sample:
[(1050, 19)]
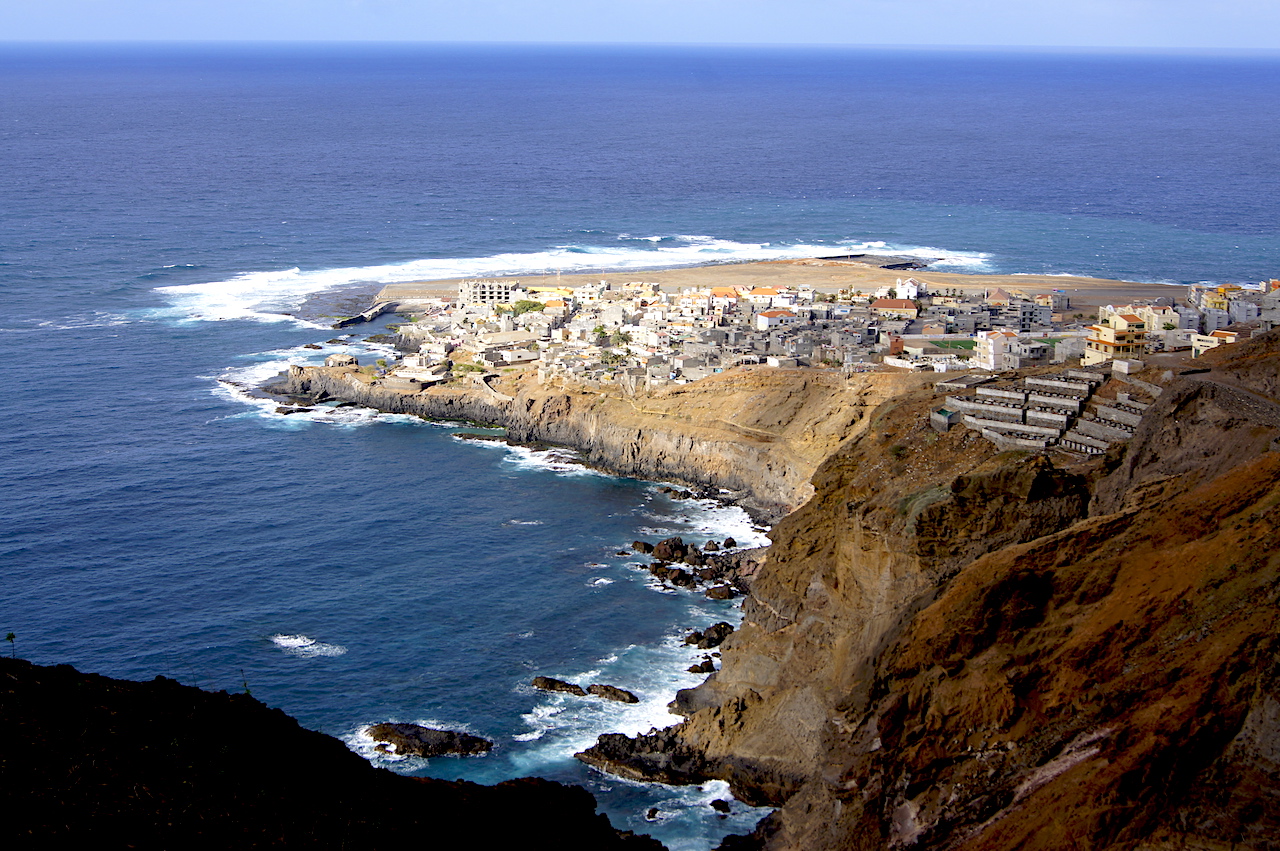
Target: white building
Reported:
[(992, 346)]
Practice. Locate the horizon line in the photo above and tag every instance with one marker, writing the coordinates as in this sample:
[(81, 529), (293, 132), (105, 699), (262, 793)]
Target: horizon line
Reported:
[(797, 46)]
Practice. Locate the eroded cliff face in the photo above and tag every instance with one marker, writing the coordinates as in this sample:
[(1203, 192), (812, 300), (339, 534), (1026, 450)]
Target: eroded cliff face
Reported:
[(761, 433), (949, 648)]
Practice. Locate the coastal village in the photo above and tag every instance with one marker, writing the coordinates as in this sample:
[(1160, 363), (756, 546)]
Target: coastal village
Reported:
[(636, 337)]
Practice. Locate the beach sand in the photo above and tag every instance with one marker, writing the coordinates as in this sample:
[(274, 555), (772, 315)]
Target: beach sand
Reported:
[(1086, 294)]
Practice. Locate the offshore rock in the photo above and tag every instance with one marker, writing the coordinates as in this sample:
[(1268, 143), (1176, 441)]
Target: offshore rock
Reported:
[(674, 575), (609, 692), (657, 757), (413, 740), (712, 636), (552, 684), (671, 549)]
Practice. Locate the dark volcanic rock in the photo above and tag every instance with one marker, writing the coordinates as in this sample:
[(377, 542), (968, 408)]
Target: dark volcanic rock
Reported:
[(706, 666), (609, 692), (682, 578), (671, 549), (739, 568), (721, 592), (643, 547), (658, 757), (712, 636), (552, 684), (412, 740), (730, 543), (674, 575), (711, 547)]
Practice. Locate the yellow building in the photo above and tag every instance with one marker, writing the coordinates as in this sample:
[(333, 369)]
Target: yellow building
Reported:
[(1122, 336)]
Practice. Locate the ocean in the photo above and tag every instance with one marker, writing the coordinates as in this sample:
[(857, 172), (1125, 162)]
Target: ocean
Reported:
[(166, 210)]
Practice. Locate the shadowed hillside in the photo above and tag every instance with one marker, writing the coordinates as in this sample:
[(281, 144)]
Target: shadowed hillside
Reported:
[(97, 762)]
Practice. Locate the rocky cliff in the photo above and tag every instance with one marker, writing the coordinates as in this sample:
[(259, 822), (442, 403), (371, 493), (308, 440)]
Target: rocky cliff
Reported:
[(952, 648), (87, 761), (760, 433)]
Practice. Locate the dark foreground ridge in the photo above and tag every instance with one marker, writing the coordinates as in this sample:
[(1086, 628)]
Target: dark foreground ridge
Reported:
[(111, 763)]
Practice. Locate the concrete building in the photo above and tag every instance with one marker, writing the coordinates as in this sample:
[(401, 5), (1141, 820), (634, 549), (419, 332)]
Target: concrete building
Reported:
[(488, 292), (768, 319), (1201, 343), (1123, 335), (991, 348), (901, 307)]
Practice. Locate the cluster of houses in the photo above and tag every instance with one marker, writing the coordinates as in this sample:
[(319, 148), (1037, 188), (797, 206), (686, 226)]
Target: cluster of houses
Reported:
[(1062, 410), (636, 336)]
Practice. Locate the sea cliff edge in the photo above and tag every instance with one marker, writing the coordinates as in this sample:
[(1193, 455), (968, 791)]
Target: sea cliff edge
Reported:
[(950, 646)]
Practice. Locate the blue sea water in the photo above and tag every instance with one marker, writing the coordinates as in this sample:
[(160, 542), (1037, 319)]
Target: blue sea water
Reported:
[(163, 208)]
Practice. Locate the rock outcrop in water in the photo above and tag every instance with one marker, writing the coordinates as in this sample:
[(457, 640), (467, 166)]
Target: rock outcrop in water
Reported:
[(416, 740), (87, 761), (948, 648)]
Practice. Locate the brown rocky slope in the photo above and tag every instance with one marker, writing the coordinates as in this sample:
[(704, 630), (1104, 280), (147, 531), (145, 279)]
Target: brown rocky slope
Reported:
[(950, 648)]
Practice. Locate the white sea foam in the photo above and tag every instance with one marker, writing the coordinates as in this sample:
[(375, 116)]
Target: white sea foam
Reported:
[(301, 645), (327, 414), (698, 519), (562, 462), (269, 295), (96, 319), (684, 804), (240, 384), (563, 724)]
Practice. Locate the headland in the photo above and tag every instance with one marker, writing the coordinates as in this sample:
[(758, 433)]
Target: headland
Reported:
[(958, 640)]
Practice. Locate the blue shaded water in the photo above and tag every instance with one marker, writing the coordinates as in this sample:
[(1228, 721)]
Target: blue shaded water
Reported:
[(163, 208)]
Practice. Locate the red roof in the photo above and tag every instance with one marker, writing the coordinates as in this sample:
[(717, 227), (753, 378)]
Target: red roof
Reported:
[(894, 303)]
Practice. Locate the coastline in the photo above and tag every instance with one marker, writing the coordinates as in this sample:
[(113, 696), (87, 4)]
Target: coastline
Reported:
[(758, 433), (822, 275)]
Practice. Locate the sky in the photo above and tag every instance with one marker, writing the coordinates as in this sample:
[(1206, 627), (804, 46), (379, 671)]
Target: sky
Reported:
[(1151, 24)]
